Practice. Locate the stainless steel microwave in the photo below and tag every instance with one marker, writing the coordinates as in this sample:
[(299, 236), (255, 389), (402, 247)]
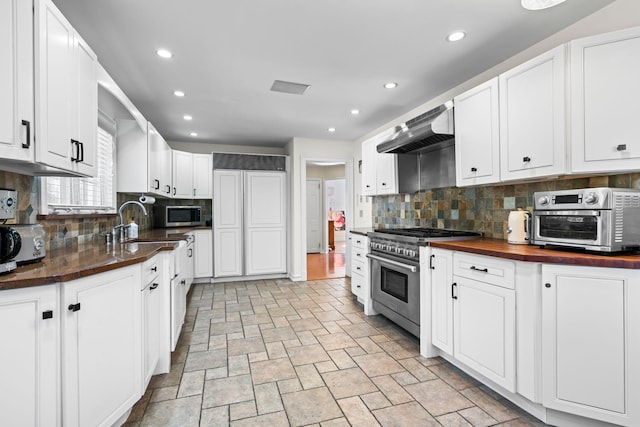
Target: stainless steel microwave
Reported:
[(595, 219), (177, 216)]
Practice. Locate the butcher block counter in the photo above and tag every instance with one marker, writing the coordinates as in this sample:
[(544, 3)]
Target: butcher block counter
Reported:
[(502, 249)]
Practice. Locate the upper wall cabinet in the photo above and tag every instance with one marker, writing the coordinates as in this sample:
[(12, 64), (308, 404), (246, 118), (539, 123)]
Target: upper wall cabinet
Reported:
[(192, 175), (532, 118), (478, 135), (605, 125), (16, 80), (379, 170), (66, 94), (144, 160)]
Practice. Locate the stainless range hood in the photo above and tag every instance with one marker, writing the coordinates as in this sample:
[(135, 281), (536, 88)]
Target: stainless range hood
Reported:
[(418, 134)]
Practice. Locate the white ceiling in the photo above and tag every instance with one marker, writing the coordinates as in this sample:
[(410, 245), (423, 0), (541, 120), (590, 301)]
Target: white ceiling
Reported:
[(227, 53)]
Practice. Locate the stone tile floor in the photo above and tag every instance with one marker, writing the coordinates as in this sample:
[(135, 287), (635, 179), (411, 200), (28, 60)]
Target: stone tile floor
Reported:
[(282, 353)]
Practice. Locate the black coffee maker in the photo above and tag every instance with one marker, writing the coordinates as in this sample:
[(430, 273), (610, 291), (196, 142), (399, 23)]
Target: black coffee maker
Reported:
[(10, 241)]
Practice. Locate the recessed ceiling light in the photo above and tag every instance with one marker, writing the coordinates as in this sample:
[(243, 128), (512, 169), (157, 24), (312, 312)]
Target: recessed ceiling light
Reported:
[(539, 4), (188, 117), (355, 112), (391, 85), (456, 35), (164, 53), (331, 129), (193, 134), (179, 93)]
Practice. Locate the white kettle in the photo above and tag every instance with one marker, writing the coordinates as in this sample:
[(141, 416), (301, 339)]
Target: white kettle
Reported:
[(518, 227)]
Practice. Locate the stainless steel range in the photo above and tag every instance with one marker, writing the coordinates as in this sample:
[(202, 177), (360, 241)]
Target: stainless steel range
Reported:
[(395, 270)]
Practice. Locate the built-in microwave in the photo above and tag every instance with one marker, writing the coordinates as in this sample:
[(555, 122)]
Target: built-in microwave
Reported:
[(177, 216)]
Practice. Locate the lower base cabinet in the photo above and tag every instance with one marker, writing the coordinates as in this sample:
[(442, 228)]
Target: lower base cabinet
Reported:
[(203, 258), (591, 342), (29, 372), (101, 347), (178, 307)]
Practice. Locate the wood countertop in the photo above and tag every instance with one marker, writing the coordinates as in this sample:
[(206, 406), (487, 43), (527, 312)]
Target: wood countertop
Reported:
[(63, 265), (502, 249)]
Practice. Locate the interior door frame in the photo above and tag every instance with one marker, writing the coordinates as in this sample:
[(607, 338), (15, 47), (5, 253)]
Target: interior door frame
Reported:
[(349, 204), (323, 232)]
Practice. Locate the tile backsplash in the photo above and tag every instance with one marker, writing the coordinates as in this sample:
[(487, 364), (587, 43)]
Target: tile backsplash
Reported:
[(70, 231), (484, 209)]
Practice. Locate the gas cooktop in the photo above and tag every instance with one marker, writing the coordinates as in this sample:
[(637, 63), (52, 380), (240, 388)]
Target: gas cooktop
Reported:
[(420, 236)]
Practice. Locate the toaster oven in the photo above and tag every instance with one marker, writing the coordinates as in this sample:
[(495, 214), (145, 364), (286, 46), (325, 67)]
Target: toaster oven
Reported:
[(594, 219)]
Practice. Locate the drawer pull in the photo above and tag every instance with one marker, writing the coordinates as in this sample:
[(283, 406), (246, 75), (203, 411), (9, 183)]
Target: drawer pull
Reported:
[(474, 169), (453, 291), (154, 268), (547, 285), (358, 286), (526, 159), (358, 268), (47, 314), (621, 147), (74, 307), (482, 270), (154, 286), (431, 262)]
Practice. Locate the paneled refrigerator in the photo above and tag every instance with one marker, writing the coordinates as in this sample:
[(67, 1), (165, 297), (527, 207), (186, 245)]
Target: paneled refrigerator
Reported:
[(249, 221)]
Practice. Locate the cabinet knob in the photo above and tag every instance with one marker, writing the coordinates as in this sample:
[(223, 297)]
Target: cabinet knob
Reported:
[(474, 169), (47, 314), (74, 307), (384, 184), (526, 159), (154, 268), (547, 285), (358, 286), (621, 147)]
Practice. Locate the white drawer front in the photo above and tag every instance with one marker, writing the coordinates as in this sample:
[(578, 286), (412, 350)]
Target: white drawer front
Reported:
[(358, 284), (150, 269), (359, 267), (359, 241), (485, 269)]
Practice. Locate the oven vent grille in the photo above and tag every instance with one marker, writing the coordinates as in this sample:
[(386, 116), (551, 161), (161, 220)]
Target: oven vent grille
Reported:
[(623, 202)]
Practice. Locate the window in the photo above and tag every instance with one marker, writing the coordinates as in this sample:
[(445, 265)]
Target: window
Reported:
[(86, 195)]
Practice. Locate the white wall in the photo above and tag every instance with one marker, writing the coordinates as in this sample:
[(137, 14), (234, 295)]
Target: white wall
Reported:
[(618, 15), (301, 150)]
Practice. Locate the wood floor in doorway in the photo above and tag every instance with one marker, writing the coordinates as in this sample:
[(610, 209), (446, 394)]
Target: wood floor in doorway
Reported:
[(327, 265)]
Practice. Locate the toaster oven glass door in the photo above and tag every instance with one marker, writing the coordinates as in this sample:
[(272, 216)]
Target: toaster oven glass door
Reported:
[(579, 227)]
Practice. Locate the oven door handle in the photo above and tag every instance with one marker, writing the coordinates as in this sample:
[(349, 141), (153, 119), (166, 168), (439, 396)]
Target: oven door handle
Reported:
[(411, 268)]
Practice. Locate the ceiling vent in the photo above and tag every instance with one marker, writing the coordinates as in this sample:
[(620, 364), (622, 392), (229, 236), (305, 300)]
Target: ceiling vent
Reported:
[(289, 87)]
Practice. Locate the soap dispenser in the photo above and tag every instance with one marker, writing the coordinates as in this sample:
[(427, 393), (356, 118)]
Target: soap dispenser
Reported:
[(133, 229)]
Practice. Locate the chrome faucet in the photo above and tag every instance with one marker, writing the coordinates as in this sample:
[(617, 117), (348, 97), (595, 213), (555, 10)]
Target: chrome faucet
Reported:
[(119, 231)]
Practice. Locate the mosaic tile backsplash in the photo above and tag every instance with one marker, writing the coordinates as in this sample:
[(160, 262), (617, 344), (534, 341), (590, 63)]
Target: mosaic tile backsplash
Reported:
[(70, 232), (484, 209)]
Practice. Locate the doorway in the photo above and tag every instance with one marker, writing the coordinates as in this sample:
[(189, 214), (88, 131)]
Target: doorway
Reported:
[(325, 220)]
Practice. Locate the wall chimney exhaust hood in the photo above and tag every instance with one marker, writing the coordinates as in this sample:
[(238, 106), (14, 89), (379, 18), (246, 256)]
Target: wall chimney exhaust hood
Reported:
[(428, 129)]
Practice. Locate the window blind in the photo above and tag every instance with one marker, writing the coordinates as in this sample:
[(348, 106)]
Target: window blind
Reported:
[(87, 194)]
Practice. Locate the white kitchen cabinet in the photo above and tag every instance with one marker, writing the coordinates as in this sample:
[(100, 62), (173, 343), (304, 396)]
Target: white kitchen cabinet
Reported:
[(202, 176), (605, 130), (66, 89), (192, 175), (379, 170), (265, 222), (478, 135), (473, 313), (227, 223), (152, 300), (360, 271), (441, 266), (159, 158), (29, 361), (249, 213), (369, 167), (591, 342), (532, 118), (203, 254), (182, 180), (101, 347), (16, 80), (144, 160)]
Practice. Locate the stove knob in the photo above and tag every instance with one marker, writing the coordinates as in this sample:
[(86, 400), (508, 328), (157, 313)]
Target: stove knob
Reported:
[(391, 248), (38, 244), (591, 198), (544, 200), (400, 251), (411, 253)]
